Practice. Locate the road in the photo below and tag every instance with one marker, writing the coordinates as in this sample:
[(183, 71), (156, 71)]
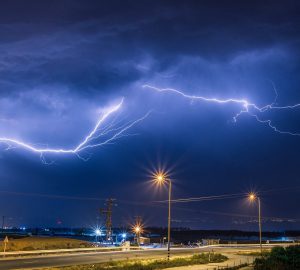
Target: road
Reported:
[(85, 258), (98, 257)]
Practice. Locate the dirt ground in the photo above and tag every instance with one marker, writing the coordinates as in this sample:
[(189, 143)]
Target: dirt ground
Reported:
[(43, 243)]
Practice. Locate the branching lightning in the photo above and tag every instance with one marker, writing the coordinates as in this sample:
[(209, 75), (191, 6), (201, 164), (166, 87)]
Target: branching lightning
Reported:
[(104, 133), (247, 107), (109, 133)]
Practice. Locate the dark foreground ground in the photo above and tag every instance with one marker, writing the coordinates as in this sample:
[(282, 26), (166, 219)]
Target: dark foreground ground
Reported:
[(96, 257)]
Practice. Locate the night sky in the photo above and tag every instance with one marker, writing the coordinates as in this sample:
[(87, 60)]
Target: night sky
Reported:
[(63, 63)]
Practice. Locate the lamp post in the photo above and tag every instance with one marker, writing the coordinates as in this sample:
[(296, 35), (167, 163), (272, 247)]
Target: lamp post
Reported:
[(253, 197), (97, 234), (160, 179), (137, 231)]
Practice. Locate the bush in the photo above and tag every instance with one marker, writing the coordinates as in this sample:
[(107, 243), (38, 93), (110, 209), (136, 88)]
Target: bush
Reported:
[(280, 259)]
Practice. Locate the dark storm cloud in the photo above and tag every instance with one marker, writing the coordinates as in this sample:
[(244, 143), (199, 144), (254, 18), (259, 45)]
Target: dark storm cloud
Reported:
[(61, 62), (83, 46)]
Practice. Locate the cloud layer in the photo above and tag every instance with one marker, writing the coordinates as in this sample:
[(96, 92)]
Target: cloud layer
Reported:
[(63, 62)]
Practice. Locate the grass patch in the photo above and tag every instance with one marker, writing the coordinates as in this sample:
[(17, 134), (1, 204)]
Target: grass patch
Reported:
[(44, 243), (202, 258), (255, 253), (242, 266), (280, 258)]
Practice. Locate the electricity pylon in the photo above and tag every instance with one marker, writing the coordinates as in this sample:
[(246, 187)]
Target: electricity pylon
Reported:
[(108, 222)]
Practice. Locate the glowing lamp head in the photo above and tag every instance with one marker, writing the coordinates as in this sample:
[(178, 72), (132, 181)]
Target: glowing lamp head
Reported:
[(252, 196), (137, 228), (98, 232), (160, 178), (124, 235)]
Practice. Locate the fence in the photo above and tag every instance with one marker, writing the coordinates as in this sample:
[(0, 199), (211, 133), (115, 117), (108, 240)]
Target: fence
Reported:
[(232, 264)]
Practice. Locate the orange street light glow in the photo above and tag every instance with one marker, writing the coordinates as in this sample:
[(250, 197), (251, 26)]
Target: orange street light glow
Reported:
[(137, 228), (252, 196), (160, 178)]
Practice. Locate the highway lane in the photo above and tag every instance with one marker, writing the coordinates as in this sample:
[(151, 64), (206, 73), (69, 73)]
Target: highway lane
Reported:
[(87, 258), (98, 257)]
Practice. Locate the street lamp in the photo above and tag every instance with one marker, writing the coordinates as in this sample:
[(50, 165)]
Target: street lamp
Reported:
[(97, 233), (123, 236), (161, 178), (137, 229), (252, 197)]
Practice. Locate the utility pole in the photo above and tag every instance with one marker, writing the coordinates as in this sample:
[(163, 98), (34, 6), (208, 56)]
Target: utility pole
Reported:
[(5, 242), (253, 197), (138, 220), (138, 229), (169, 219), (160, 179), (3, 223), (259, 224), (108, 221)]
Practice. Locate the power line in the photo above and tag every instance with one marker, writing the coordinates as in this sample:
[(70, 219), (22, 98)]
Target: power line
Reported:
[(190, 199), (206, 198), (225, 196), (51, 196)]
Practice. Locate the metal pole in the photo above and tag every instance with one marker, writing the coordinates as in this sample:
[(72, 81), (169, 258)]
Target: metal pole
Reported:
[(3, 222), (169, 218), (259, 221)]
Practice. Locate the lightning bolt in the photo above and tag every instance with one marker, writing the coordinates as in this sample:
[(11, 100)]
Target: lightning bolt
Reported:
[(114, 130), (110, 132), (247, 107)]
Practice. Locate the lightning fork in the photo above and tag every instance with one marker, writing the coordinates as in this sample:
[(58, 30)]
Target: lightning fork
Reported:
[(117, 132), (247, 107)]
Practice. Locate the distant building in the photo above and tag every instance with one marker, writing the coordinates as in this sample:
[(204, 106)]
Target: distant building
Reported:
[(144, 240), (209, 242)]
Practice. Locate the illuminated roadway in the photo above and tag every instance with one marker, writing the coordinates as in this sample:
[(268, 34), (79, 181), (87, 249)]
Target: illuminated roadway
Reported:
[(99, 257)]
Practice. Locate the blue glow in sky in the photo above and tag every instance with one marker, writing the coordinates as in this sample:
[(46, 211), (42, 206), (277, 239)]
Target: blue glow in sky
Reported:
[(64, 64)]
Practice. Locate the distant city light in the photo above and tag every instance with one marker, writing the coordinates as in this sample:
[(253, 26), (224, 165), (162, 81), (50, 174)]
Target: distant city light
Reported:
[(98, 232)]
